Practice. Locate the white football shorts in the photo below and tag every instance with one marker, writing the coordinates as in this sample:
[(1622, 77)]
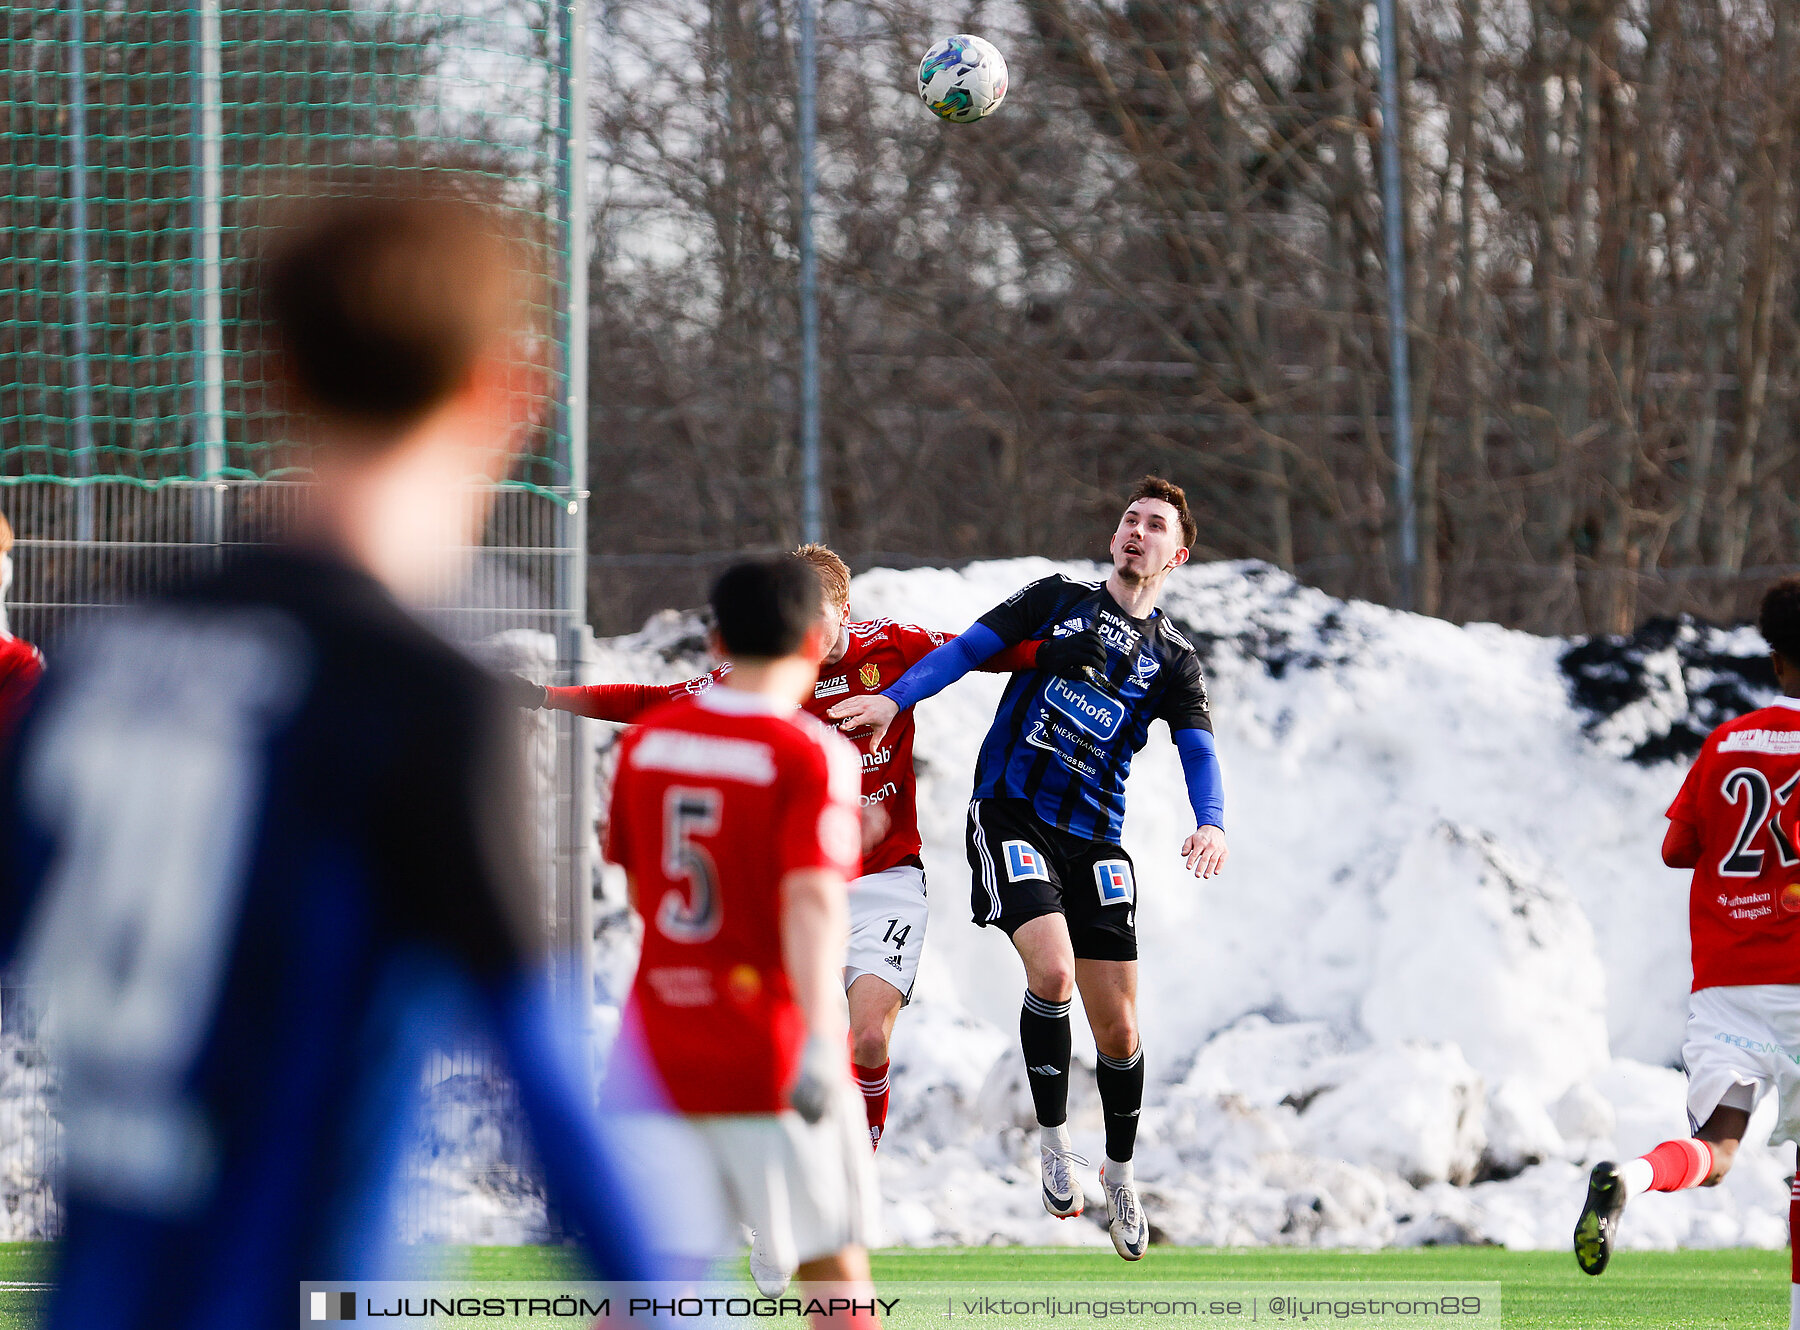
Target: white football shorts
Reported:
[(809, 1190), (887, 927), (1742, 1042)]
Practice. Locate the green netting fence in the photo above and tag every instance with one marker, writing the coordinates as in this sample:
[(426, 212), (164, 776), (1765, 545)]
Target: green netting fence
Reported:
[(145, 140)]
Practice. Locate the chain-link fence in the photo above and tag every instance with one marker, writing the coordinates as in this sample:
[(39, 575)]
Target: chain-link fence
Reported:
[(147, 143)]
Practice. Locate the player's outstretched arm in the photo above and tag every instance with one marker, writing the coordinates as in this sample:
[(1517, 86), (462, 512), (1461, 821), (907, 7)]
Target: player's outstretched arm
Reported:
[(622, 703), (1205, 851), (815, 929), (928, 678)]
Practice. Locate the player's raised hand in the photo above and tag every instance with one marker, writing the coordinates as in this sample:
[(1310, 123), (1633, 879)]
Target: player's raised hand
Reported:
[(1204, 852), (873, 713)]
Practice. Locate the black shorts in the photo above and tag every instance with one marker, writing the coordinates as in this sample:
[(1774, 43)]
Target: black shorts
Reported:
[(1023, 868)]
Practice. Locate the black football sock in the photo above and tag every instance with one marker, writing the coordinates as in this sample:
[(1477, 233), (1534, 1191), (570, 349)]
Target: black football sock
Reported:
[(1121, 1082), (1044, 1036)]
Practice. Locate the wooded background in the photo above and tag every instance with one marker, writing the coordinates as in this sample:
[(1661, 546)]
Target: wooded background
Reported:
[(1165, 253)]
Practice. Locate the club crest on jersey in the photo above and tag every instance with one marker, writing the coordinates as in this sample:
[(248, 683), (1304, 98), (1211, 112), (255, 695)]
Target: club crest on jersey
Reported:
[(870, 675), (1023, 862), (1144, 669), (832, 687), (1093, 711), (1113, 877)]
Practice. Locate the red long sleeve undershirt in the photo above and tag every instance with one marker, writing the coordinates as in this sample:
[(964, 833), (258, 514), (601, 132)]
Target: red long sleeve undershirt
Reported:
[(625, 702)]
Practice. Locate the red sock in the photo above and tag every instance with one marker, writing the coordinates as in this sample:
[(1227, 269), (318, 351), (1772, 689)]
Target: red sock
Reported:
[(873, 1082), (1678, 1165)]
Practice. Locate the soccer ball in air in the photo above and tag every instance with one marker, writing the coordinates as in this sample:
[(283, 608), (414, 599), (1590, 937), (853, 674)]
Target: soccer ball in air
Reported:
[(963, 78)]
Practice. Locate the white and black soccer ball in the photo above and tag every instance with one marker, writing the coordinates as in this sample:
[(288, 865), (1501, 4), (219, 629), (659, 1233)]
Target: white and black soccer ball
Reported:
[(963, 78)]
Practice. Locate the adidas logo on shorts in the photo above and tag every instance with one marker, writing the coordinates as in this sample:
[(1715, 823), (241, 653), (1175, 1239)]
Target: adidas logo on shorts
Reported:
[(894, 961)]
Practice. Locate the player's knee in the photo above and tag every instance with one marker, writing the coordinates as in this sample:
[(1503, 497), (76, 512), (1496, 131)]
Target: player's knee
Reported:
[(1118, 1037), (1723, 1153), (868, 1043), (1054, 981)]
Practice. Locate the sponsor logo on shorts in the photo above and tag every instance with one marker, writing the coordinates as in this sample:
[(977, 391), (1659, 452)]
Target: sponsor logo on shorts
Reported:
[(894, 961), (1024, 863), (1113, 877)]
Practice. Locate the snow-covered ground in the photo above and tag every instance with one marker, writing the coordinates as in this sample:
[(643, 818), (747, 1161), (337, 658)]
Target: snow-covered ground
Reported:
[(1444, 970)]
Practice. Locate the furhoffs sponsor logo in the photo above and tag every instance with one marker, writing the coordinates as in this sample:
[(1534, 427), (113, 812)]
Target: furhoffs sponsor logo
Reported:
[(1090, 709)]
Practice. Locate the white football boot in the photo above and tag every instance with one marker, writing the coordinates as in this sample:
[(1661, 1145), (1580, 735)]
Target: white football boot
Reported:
[(1129, 1228), (770, 1278), (1062, 1189)]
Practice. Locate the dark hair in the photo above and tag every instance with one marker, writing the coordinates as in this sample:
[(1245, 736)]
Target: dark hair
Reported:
[(1155, 487), (1779, 618), (379, 301), (764, 607)]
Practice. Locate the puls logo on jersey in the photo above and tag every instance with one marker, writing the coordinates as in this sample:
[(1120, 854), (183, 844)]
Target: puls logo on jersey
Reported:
[(1116, 633)]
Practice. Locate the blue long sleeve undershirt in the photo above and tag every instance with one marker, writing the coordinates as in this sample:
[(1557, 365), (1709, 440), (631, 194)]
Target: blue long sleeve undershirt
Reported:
[(963, 653), (944, 666), (1205, 782)]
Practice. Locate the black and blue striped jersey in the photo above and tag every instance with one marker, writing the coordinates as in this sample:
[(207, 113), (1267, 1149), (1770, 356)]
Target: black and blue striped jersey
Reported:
[(1065, 745), (258, 881)]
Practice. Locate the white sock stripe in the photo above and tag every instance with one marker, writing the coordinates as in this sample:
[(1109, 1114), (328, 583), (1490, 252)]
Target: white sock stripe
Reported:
[(1043, 1007), (1700, 1154), (1118, 1064), (873, 1087)]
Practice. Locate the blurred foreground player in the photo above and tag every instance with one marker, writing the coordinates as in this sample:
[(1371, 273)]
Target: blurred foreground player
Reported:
[(255, 881), (888, 908), (1735, 824), (734, 816)]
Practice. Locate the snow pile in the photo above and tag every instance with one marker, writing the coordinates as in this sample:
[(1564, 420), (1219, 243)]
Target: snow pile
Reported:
[(1444, 972)]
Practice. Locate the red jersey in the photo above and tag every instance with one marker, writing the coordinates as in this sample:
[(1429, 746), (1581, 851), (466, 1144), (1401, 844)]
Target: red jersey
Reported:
[(21, 665), (1735, 819), (717, 798), (879, 651)]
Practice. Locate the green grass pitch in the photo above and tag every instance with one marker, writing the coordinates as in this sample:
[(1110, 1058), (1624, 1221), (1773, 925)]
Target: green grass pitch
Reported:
[(1675, 1290)]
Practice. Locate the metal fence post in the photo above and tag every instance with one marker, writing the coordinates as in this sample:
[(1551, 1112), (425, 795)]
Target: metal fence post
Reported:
[(207, 156), (1393, 206), (812, 523), (78, 197)]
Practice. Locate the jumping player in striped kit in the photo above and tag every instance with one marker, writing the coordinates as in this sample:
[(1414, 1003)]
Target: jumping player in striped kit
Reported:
[(1048, 811)]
